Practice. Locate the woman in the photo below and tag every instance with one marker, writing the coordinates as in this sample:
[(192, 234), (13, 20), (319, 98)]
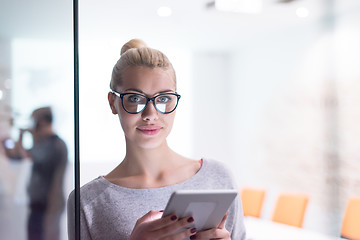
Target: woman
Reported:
[(127, 203)]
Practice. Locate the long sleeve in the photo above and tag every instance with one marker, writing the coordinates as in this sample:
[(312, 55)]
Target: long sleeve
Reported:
[(238, 231), (84, 231)]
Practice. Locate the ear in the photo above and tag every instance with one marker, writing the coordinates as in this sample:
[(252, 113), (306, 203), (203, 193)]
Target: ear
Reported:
[(111, 98)]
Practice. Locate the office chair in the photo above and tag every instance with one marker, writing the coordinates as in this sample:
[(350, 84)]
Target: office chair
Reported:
[(290, 209), (252, 201), (351, 223)]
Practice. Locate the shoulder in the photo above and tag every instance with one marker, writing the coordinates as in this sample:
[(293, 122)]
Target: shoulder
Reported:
[(91, 201), (220, 172), (90, 191), (216, 166), (57, 144), (59, 141)]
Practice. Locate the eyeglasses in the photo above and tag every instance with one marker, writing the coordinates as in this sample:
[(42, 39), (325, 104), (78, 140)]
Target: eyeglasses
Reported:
[(134, 103)]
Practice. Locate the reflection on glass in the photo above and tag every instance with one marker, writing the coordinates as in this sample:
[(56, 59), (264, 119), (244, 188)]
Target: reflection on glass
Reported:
[(49, 157), (35, 71)]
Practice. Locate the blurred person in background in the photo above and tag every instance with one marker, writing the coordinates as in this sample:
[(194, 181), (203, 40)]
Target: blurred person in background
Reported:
[(45, 190)]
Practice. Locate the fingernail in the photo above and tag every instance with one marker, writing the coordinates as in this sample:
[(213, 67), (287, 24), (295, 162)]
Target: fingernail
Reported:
[(193, 237), (190, 219), (193, 230), (161, 211), (173, 218)]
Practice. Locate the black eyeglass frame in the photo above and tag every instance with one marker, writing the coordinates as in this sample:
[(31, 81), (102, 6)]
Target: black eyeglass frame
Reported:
[(121, 96)]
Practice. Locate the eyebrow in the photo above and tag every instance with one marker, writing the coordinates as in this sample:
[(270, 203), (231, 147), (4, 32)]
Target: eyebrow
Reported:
[(139, 91)]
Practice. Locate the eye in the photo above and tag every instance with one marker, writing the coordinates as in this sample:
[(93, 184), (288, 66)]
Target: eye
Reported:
[(134, 98), (164, 99)]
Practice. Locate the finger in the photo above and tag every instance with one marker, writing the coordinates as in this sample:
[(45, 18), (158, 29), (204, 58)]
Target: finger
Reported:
[(222, 223), (214, 233), (185, 234), (152, 215), (163, 222), (176, 226)]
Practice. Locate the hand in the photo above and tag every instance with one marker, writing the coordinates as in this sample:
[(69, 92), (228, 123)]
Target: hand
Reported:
[(151, 226), (23, 130), (215, 233)]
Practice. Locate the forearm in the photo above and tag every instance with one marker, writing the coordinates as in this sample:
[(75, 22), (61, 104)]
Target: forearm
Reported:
[(16, 153)]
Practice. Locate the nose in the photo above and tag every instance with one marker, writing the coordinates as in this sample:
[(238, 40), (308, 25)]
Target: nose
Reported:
[(150, 112)]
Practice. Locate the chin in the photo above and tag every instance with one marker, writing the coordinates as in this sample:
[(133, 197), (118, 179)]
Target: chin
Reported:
[(147, 142), (150, 144)]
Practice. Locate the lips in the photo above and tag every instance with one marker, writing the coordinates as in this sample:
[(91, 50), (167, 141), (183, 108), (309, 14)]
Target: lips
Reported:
[(149, 130)]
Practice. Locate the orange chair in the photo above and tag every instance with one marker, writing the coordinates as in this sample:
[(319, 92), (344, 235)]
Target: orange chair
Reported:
[(290, 209), (252, 201), (351, 223)]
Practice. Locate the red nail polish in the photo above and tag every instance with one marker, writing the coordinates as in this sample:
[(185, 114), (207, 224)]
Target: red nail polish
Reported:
[(173, 218), (190, 219), (193, 230), (193, 237)]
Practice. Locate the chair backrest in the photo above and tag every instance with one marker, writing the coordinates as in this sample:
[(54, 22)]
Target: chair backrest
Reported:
[(290, 209), (252, 201), (351, 222)]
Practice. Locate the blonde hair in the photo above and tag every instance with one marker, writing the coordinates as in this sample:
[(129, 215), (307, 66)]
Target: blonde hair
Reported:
[(135, 53)]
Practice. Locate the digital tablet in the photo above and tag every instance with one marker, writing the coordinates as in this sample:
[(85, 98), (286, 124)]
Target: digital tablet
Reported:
[(207, 207)]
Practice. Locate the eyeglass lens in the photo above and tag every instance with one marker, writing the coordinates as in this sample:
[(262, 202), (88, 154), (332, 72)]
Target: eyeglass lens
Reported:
[(135, 103)]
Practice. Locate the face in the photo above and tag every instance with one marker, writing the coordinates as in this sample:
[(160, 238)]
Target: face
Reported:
[(149, 128)]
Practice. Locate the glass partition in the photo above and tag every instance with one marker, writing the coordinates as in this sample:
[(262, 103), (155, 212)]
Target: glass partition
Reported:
[(273, 93), (36, 72)]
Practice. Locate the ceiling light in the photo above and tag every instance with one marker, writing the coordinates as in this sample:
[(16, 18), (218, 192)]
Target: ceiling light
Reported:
[(244, 6), (164, 11), (302, 12)]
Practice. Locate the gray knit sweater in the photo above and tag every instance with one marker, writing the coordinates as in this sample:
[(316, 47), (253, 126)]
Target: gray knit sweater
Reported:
[(109, 211)]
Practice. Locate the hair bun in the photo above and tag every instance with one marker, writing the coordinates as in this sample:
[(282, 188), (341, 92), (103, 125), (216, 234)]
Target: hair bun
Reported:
[(133, 43)]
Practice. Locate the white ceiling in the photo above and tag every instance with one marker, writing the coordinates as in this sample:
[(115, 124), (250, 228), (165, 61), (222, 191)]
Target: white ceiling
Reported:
[(192, 23)]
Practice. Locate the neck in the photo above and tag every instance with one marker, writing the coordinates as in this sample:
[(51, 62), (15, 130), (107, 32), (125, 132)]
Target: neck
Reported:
[(149, 161), (149, 168)]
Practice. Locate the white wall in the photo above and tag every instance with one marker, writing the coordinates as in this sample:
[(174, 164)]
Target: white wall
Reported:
[(284, 116)]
